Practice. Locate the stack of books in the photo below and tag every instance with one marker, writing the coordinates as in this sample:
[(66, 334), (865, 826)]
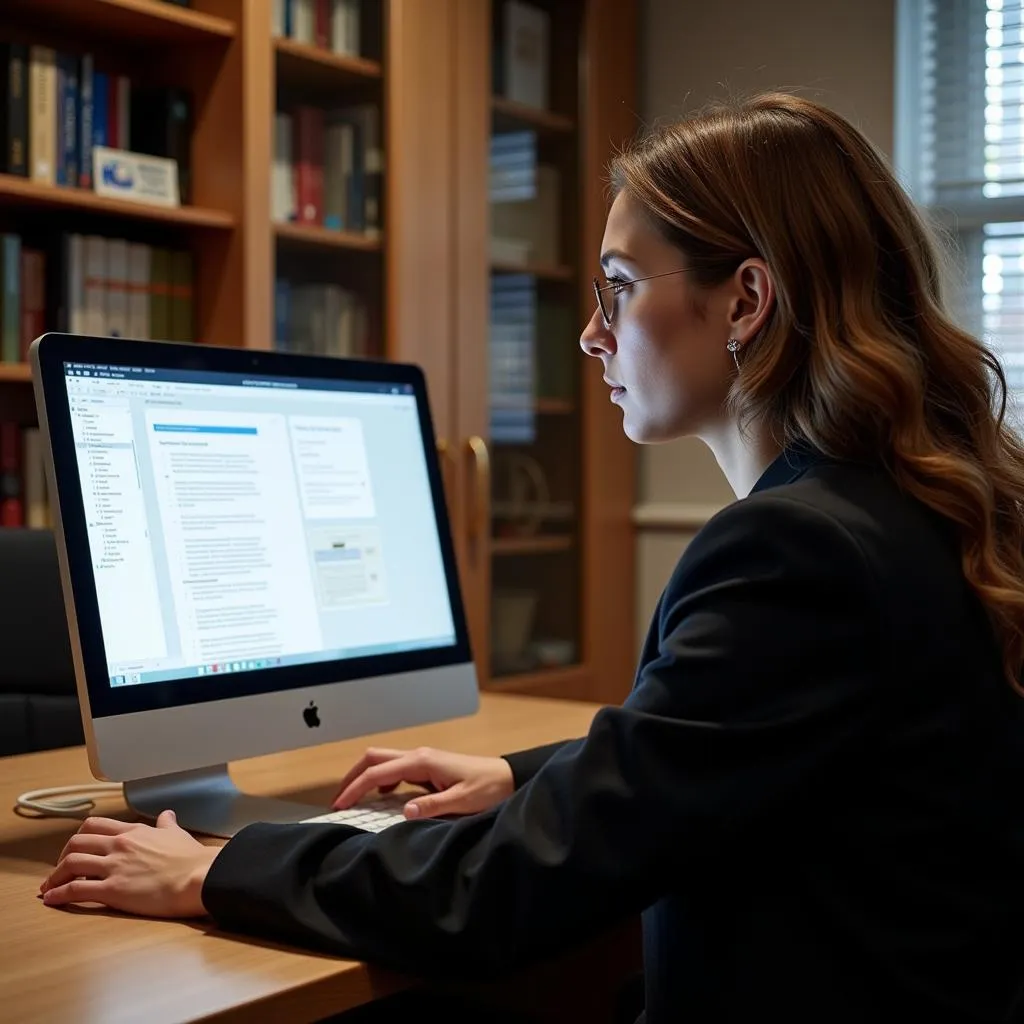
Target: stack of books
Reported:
[(327, 168), (56, 107), (23, 495), (320, 319), (513, 328), (89, 284), (334, 25)]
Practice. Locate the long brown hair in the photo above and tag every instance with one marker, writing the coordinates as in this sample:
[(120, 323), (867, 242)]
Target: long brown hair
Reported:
[(858, 357)]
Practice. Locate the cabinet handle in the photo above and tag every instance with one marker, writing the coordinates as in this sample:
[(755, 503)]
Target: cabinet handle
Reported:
[(442, 446), (478, 525)]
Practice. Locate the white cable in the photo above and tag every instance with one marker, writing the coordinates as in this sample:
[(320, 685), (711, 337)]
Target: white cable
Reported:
[(64, 801)]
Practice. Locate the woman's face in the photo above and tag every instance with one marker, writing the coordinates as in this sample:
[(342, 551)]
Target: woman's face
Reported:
[(664, 356)]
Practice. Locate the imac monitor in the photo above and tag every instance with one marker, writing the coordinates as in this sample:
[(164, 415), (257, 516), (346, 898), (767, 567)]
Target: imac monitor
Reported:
[(255, 556)]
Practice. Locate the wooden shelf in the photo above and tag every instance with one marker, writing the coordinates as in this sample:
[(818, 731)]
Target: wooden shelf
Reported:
[(302, 66), (529, 545), (543, 271), (553, 407), (141, 21), (308, 236), (24, 191), (508, 115), (15, 373)]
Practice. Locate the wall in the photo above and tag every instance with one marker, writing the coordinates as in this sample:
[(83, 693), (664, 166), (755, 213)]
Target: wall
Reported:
[(833, 51)]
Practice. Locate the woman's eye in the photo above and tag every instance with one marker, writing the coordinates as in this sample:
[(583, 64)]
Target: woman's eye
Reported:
[(617, 284)]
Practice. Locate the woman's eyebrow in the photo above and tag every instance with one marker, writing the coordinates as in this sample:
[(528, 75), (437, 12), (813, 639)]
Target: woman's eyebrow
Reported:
[(613, 254)]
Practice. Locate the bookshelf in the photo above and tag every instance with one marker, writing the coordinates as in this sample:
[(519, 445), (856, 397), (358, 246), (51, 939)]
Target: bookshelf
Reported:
[(311, 237), (541, 271), (509, 115), (422, 272), (132, 21), (529, 545), (302, 63), (15, 373), (22, 192)]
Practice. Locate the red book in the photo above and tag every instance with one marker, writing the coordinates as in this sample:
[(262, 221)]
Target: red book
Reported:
[(309, 165), (12, 508), (33, 298), (323, 24)]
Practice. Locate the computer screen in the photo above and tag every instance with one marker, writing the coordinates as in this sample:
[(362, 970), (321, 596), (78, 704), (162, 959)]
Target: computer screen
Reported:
[(239, 522)]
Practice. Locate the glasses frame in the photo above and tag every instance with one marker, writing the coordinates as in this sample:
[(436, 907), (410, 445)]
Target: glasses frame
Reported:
[(598, 288)]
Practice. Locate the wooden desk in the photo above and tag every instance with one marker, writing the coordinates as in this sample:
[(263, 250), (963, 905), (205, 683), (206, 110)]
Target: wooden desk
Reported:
[(90, 967)]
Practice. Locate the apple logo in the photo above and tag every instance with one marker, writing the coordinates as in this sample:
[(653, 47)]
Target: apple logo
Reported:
[(311, 715)]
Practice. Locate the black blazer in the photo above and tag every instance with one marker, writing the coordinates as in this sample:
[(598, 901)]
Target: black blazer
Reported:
[(814, 794)]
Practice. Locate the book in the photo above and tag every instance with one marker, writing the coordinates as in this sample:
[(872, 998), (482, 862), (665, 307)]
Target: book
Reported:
[(14, 108), (85, 121), (309, 165), (161, 125), (526, 53), (282, 187), (68, 103), (43, 114)]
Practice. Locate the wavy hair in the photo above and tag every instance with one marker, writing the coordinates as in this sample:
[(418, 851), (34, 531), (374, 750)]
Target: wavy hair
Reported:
[(858, 356)]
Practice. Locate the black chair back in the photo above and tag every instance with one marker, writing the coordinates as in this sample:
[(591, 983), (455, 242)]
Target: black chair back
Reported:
[(38, 701)]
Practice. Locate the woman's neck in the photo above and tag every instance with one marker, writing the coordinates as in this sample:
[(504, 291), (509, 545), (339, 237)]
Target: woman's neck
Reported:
[(742, 457)]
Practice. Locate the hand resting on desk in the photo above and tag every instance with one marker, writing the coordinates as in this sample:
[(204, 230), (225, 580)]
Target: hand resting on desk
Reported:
[(463, 784), (141, 869)]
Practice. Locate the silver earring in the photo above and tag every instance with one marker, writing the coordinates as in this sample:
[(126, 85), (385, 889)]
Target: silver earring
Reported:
[(734, 347)]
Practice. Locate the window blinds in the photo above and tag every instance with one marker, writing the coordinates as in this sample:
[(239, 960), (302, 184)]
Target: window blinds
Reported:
[(960, 149)]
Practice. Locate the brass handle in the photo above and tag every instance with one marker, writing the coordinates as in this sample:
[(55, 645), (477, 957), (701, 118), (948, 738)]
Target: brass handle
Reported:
[(442, 446), (478, 525)]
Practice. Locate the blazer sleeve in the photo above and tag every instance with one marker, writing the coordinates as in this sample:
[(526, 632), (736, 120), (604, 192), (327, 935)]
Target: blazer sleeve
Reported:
[(526, 763), (766, 678)]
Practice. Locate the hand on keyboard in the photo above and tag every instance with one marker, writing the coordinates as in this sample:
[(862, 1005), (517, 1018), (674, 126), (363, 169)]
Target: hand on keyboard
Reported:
[(462, 784)]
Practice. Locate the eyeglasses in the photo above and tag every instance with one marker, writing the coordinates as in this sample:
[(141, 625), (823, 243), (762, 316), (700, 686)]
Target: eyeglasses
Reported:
[(608, 316)]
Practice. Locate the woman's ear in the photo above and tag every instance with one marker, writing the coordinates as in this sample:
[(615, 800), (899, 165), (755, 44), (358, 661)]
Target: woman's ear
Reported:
[(753, 301)]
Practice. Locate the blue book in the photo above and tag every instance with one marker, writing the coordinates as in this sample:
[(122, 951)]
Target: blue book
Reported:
[(10, 320), (61, 170), (100, 87), (85, 123), (67, 126)]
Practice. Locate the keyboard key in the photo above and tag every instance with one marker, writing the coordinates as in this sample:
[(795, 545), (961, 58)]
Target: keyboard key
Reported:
[(372, 815)]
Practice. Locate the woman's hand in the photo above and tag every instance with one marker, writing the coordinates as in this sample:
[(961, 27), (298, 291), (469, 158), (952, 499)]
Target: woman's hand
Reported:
[(463, 784), (140, 869)]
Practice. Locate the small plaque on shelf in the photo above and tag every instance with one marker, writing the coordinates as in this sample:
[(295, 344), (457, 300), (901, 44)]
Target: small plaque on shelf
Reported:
[(136, 177)]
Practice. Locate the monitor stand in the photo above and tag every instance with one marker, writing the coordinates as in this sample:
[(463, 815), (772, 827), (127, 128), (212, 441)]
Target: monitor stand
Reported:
[(206, 800)]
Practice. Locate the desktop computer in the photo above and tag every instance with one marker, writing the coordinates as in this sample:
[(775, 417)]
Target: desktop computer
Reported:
[(255, 556)]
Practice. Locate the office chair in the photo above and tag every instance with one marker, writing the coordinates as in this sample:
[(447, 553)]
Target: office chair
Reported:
[(38, 700)]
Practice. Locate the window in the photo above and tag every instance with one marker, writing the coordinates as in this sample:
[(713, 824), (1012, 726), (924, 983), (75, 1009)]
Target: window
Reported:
[(960, 150)]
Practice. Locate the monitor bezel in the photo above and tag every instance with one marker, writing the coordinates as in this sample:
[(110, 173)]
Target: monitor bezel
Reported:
[(48, 356)]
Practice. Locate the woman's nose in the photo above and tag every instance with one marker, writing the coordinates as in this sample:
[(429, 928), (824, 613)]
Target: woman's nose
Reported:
[(596, 339)]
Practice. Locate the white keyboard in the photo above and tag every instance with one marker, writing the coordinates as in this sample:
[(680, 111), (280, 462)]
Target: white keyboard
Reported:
[(373, 815)]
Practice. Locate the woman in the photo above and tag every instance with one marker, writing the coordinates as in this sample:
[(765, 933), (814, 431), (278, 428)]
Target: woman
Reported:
[(813, 791)]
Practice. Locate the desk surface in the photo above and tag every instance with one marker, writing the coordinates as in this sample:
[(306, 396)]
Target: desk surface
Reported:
[(91, 966)]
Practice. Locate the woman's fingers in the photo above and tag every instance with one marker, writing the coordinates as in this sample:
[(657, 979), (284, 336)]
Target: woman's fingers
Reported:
[(87, 842), (76, 865), (408, 768), (80, 890), (373, 756)]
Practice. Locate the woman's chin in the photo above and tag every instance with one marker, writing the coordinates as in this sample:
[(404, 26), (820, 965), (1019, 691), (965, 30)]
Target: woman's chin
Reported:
[(636, 428), (645, 430)]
